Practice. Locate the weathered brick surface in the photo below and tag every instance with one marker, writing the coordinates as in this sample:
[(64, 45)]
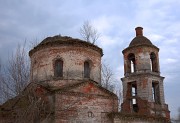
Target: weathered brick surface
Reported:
[(42, 61), (142, 56), (74, 102), (85, 104), (145, 72)]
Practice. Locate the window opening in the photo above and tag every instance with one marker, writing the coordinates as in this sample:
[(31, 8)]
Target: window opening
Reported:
[(86, 69), (153, 62), (59, 68), (133, 89), (151, 65), (135, 105), (90, 114), (133, 96), (132, 65), (134, 101), (156, 92)]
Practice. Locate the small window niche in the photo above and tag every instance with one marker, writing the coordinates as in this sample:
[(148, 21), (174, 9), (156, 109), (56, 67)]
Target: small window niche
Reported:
[(90, 114), (87, 69), (58, 68), (156, 92)]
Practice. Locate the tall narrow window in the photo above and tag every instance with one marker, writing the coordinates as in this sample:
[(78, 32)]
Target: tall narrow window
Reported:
[(134, 89), (133, 96), (86, 69), (153, 62), (131, 63), (132, 67), (58, 69), (156, 92)]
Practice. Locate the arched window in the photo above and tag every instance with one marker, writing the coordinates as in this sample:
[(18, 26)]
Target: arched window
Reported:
[(153, 62), (86, 69), (58, 69), (131, 63)]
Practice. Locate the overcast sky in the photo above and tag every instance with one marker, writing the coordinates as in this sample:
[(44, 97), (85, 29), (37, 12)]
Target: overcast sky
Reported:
[(34, 20)]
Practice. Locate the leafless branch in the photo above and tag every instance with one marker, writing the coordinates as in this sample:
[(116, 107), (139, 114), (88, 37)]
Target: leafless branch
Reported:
[(89, 33), (108, 81), (108, 78), (34, 43), (15, 75)]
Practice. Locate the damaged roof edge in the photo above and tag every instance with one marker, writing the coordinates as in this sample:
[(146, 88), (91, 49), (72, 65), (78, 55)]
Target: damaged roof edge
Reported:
[(64, 40)]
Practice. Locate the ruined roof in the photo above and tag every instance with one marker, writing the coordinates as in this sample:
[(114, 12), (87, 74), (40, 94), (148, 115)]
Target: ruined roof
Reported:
[(64, 40), (140, 40), (54, 39)]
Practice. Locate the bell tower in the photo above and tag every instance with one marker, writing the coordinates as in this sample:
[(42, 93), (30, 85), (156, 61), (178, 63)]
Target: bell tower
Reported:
[(143, 90)]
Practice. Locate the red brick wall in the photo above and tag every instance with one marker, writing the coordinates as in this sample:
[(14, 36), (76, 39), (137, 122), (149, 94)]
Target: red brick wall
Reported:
[(75, 106)]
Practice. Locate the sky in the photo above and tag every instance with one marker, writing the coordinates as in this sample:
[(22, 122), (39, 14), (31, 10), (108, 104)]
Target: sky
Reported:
[(115, 20)]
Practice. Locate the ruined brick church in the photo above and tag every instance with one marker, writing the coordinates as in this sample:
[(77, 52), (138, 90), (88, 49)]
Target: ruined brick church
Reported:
[(66, 75)]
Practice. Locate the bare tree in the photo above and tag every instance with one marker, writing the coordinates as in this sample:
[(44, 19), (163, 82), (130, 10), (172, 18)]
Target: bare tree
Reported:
[(120, 97), (32, 105), (22, 102), (107, 77), (34, 43), (89, 33), (15, 75), (109, 82)]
